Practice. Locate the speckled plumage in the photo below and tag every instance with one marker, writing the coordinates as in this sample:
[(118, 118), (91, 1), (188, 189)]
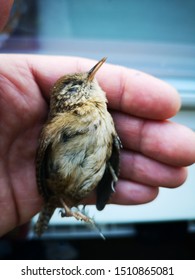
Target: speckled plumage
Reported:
[(78, 148)]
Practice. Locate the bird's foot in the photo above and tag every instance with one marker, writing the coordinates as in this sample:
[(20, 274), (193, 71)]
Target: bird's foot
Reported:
[(63, 213), (76, 214), (80, 216)]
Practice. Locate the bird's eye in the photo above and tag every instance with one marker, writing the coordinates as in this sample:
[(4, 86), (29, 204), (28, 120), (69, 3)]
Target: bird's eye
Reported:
[(73, 88)]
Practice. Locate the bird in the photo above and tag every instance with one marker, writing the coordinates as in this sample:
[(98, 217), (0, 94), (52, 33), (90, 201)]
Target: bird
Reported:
[(78, 149)]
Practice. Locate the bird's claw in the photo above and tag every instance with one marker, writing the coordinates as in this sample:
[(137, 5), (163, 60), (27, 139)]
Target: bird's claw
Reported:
[(63, 213)]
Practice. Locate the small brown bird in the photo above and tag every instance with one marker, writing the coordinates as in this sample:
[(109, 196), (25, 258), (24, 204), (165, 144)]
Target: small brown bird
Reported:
[(78, 149)]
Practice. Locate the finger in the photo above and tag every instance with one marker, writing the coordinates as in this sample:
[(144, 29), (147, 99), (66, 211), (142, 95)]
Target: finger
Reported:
[(136, 93), (127, 193), (138, 168), (127, 90), (132, 193), (164, 141)]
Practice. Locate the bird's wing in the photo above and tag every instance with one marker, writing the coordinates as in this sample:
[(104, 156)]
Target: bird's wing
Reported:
[(42, 166), (46, 168), (108, 181)]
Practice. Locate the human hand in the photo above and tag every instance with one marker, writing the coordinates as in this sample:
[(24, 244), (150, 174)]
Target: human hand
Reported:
[(155, 152)]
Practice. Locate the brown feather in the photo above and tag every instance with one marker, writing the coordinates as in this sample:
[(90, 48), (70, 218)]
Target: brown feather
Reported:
[(79, 147)]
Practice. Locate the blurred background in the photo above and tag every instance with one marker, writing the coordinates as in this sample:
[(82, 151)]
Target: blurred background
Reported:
[(155, 36)]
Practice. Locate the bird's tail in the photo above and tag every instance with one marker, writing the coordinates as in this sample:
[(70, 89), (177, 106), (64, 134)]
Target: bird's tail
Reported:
[(44, 218)]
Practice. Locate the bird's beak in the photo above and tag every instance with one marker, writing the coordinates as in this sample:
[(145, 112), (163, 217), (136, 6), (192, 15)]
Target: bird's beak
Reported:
[(95, 68)]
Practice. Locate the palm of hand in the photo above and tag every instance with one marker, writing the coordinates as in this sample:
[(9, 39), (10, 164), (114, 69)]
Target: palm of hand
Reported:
[(23, 110)]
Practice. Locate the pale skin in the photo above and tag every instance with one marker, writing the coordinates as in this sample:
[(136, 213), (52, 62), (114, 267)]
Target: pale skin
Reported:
[(155, 151)]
